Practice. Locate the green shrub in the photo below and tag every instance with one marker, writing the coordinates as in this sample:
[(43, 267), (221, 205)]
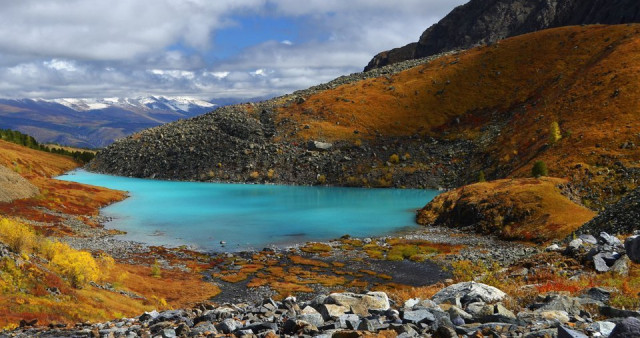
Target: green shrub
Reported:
[(539, 169), (481, 177)]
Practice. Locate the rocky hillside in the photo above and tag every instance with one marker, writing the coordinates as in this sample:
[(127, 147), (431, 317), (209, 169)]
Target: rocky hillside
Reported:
[(481, 22), (620, 218), (427, 123)]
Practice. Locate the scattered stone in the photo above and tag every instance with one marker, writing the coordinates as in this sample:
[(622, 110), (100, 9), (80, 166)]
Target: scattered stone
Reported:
[(564, 332)]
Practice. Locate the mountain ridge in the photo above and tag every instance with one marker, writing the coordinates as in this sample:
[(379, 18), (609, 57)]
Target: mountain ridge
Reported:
[(481, 22)]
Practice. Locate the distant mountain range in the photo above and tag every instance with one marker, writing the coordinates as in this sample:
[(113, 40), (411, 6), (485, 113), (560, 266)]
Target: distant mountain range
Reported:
[(95, 123)]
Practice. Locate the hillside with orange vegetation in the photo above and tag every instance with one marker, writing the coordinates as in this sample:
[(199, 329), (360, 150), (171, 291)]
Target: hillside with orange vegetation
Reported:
[(584, 78), (55, 197), (528, 209)]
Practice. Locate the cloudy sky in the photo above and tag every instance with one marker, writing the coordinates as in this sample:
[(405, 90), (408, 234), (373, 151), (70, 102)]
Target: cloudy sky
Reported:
[(202, 48)]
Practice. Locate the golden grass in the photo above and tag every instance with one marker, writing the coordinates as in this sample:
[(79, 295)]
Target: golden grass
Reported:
[(523, 209)]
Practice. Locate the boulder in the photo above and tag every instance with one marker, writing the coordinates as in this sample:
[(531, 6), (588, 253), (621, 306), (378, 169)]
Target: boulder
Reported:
[(469, 292), (588, 239), (418, 316), (621, 266), (632, 247), (570, 305), (611, 240), (604, 328), (599, 263), (629, 327), (371, 300), (330, 311), (564, 332)]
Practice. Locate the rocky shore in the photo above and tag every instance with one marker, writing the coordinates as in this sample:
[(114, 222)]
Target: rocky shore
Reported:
[(466, 309)]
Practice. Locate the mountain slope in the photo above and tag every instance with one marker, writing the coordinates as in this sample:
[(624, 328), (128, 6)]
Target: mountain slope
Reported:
[(94, 123), (433, 125), (482, 22)]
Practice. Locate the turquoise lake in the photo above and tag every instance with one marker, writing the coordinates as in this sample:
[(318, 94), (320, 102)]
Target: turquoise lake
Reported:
[(248, 216)]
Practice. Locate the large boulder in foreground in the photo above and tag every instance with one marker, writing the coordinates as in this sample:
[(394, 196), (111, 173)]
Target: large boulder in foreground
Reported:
[(521, 209), (13, 186), (469, 292)]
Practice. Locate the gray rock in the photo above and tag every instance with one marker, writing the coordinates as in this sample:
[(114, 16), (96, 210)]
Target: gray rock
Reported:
[(564, 332), (228, 326), (169, 333), (348, 321), (588, 239), (607, 239), (418, 316), (629, 327), (632, 248), (604, 328), (479, 310), (575, 244), (499, 309), (621, 266), (312, 318), (599, 294), (599, 263), (330, 311), (458, 321), (570, 305), (469, 292)]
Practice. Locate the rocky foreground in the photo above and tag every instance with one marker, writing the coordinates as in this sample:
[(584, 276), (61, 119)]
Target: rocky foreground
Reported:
[(465, 309)]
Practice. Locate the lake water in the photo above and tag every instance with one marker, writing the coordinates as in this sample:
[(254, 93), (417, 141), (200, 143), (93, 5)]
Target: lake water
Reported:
[(251, 216)]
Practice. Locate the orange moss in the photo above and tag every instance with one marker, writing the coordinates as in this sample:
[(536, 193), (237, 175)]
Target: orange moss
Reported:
[(306, 261), (522, 209)]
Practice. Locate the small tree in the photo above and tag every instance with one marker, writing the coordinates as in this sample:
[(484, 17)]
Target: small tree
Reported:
[(539, 169), (481, 177), (554, 132)]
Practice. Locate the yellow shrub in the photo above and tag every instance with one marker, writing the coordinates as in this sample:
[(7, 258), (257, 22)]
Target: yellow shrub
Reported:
[(19, 237), (395, 159), (78, 267)]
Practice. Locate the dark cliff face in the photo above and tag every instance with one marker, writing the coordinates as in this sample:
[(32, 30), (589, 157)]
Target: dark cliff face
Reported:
[(486, 21)]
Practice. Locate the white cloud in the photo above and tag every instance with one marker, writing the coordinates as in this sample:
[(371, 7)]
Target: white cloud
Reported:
[(99, 48)]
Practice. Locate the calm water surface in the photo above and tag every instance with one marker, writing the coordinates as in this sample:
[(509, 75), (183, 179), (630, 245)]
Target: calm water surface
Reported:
[(251, 216)]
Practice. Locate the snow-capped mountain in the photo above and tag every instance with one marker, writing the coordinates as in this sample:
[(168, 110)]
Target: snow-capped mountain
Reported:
[(95, 123), (179, 104)]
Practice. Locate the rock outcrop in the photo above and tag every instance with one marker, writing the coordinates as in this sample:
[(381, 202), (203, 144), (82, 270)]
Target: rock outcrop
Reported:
[(483, 22), (13, 186)]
